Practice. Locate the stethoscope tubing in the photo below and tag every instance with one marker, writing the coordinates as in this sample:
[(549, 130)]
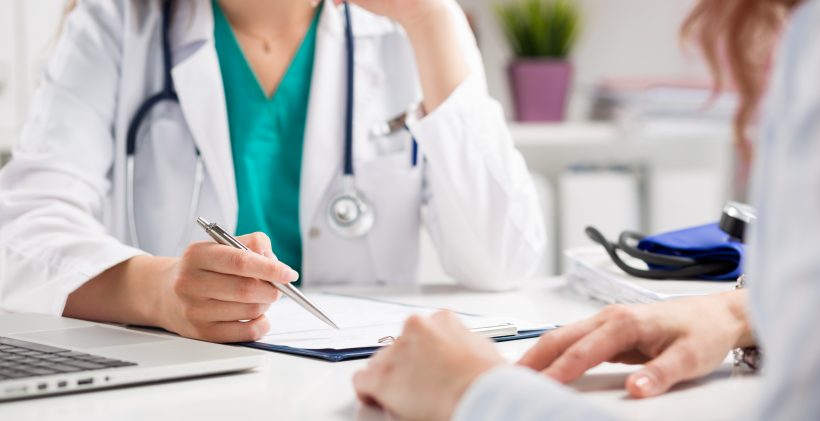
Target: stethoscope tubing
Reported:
[(350, 54)]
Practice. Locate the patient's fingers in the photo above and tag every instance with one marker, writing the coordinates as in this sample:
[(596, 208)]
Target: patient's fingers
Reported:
[(630, 357), (677, 363), (605, 342), (368, 381), (552, 344)]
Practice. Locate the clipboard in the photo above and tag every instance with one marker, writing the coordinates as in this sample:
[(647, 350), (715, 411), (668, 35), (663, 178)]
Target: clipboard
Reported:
[(298, 333), (338, 355)]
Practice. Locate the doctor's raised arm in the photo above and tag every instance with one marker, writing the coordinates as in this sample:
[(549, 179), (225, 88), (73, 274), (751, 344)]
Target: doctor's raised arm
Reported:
[(480, 206), (267, 117)]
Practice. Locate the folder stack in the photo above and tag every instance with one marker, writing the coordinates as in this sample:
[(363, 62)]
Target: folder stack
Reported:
[(591, 273)]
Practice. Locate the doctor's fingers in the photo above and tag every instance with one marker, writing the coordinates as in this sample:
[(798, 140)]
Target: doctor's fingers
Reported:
[(223, 259), (218, 286), (227, 332), (553, 343), (225, 311), (259, 243)]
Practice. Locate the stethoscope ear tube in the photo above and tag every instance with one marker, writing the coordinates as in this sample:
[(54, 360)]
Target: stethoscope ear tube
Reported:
[(199, 180), (196, 193), (129, 201), (689, 268)]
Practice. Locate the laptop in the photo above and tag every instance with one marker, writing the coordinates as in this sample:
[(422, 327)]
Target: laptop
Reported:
[(44, 355)]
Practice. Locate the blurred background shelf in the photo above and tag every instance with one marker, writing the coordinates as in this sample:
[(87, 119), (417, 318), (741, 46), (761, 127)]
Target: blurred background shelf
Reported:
[(602, 133)]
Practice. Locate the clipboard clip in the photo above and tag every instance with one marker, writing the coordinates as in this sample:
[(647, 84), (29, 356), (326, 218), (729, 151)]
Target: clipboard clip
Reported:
[(387, 340)]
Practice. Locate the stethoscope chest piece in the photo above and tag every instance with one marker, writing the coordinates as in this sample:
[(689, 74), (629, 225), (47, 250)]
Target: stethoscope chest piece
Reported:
[(350, 215)]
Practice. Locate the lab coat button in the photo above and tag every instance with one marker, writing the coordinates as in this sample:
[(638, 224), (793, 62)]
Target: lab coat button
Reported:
[(313, 232)]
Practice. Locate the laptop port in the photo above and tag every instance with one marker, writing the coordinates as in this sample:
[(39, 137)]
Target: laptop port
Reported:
[(62, 383), (14, 390), (42, 386), (84, 382)]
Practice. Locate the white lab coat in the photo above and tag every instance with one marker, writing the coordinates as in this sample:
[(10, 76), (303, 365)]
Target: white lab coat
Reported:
[(62, 197)]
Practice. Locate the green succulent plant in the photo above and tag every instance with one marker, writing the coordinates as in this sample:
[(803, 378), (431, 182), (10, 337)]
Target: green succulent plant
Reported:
[(540, 28)]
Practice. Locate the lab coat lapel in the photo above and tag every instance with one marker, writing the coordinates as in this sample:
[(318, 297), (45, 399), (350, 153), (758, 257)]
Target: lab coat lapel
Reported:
[(198, 81), (322, 155)]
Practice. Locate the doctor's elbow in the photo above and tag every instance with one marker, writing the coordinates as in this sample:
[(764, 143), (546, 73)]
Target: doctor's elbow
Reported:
[(507, 271)]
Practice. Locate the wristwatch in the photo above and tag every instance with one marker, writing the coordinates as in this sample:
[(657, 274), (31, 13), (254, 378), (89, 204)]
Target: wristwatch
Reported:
[(749, 357)]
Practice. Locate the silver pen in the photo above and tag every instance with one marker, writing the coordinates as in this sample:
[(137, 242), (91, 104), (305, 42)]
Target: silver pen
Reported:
[(222, 237)]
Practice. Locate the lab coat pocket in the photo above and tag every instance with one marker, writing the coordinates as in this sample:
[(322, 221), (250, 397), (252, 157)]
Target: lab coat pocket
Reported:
[(394, 187)]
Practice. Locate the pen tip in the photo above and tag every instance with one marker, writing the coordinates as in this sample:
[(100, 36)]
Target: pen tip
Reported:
[(203, 222)]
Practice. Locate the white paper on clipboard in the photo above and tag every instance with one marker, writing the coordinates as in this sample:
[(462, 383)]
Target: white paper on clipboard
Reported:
[(362, 323)]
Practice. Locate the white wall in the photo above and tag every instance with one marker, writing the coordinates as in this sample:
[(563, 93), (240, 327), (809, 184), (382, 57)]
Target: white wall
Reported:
[(8, 86)]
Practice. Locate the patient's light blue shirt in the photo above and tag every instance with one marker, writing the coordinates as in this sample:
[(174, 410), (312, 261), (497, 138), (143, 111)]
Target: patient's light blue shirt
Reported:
[(784, 262)]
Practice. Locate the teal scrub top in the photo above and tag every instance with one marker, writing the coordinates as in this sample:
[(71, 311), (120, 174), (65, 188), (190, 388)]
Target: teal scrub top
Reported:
[(267, 135)]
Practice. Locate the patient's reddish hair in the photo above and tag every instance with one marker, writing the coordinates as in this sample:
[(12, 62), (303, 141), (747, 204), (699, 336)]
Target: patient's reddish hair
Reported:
[(737, 38)]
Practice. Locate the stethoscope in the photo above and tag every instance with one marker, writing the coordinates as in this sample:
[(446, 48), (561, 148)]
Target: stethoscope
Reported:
[(349, 213)]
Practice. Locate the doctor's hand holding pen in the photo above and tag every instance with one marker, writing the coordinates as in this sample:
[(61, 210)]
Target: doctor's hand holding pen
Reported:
[(425, 373), (212, 292)]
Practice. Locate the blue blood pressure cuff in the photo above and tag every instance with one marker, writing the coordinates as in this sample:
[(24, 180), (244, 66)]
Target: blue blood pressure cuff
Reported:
[(704, 244), (704, 252)]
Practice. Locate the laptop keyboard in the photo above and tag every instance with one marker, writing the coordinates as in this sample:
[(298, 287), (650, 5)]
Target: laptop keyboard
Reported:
[(20, 359)]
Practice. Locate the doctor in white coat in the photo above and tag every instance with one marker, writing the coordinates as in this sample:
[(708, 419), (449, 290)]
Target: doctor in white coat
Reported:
[(65, 245)]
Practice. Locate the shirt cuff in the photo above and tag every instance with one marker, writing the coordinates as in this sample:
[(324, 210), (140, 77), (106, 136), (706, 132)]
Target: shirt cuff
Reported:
[(514, 393)]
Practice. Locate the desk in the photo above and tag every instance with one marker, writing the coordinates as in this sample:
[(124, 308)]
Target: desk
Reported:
[(291, 388)]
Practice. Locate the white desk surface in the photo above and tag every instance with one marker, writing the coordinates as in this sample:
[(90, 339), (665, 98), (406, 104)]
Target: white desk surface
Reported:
[(291, 388)]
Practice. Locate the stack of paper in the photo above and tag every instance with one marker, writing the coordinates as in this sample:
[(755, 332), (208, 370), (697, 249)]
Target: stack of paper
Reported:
[(590, 272), (659, 98)]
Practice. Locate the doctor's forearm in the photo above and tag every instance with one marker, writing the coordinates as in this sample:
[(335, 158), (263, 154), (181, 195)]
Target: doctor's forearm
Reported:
[(126, 293), (441, 63)]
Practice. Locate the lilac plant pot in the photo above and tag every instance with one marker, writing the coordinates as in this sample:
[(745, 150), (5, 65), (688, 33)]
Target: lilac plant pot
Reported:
[(540, 88)]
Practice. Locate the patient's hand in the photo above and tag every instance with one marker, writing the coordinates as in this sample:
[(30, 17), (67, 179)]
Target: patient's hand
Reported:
[(424, 373), (677, 341)]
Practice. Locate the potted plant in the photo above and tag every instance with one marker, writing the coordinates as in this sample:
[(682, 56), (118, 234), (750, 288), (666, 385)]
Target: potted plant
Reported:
[(542, 34)]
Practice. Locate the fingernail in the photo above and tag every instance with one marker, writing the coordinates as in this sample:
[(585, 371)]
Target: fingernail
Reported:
[(645, 384), (293, 275)]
